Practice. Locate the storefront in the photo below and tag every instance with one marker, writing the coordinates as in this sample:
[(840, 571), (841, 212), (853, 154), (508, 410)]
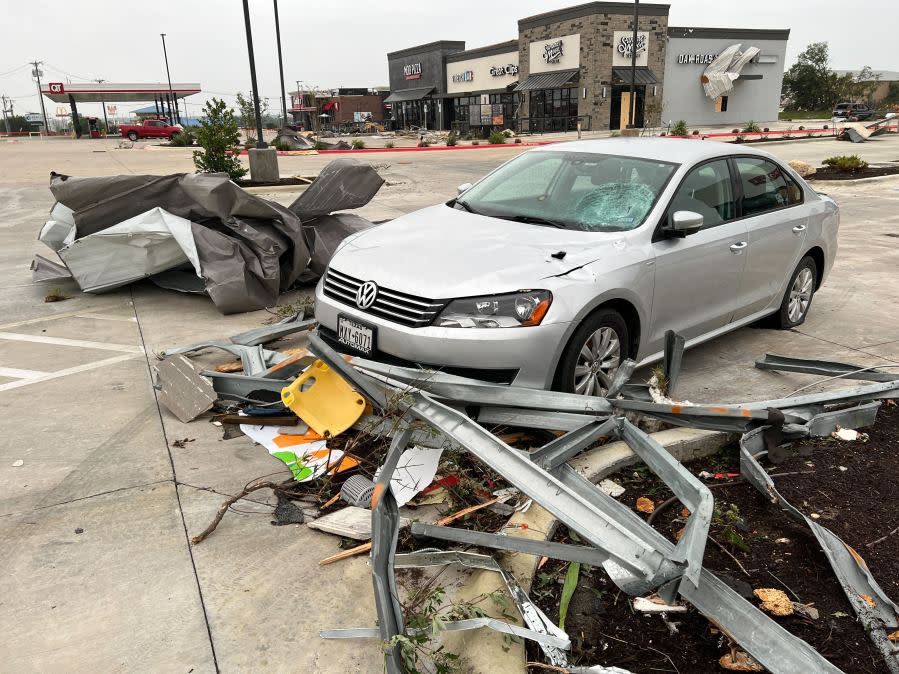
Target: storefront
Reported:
[(573, 68), (418, 85), (479, 84), (755, 93)]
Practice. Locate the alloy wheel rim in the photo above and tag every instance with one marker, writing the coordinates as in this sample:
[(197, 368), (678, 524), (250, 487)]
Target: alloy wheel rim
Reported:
[(597, 362), (800, 295)]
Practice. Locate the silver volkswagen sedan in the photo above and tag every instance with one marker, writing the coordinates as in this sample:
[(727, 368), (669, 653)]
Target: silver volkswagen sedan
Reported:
[(556, 266)]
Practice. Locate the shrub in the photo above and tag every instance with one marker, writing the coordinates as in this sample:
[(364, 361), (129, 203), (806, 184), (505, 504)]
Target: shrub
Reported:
[(389, 144), (740, 139), (801, 128), (497, 138), (802, 168), (766, 129), (218, 133), (451, 139), (358, 144), (518, 140), (183, 139), (249, 143), (846, 163), (751, 127), (826, 127), (321, 145), (735, 131), (475, 142), (423, 143), (508, 133), (695, 132), (679, 128), (281, 145)]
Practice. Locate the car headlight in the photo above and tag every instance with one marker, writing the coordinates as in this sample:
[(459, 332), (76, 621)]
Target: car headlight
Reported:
[(514, 310)]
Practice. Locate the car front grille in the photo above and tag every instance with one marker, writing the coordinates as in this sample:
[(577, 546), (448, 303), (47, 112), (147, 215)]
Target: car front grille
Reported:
[(402, 308)]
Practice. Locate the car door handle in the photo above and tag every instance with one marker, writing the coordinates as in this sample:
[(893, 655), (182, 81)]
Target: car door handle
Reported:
[(798, 229), (738, 247)]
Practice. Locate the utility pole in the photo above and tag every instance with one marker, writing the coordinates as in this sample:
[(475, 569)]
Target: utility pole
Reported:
[(37, 74), (3, 99), (280, 66), (260, 143), (103, 103), (169, 77), (633, 97)]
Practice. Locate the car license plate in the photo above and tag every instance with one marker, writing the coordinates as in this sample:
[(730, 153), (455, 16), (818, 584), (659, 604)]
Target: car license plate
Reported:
[(355, 335)]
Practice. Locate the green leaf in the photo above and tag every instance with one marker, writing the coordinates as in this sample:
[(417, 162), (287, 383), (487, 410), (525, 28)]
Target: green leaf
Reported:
[(571, 579)]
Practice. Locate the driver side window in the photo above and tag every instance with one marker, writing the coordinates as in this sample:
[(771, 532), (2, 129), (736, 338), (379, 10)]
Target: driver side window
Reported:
[(706, 190)]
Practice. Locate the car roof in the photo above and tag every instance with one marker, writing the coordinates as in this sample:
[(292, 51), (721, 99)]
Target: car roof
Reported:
[(677, 150)]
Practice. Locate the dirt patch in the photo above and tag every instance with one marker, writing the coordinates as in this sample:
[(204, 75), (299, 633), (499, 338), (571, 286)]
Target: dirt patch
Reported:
[(830, 173), (754, 546)]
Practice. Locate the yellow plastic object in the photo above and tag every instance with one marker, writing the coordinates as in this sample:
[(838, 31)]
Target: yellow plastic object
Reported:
[(329, 405)]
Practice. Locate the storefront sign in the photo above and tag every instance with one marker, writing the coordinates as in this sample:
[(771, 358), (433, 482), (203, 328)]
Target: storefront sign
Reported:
[(57, 88), (702, 59), (464, 76), (622, 47), (552, 52), (557, 53), (500, 71), (412, 71), (33, 117)]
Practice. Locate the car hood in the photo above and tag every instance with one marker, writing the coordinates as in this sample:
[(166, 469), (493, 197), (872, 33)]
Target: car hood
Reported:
[(441, 252)]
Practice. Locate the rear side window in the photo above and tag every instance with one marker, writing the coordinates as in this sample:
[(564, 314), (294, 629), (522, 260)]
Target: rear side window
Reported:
[(707, 190), (765, 186)]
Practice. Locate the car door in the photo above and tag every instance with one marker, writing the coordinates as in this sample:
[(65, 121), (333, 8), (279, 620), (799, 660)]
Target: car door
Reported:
[(771, 205), (155, 130), (697, 277)]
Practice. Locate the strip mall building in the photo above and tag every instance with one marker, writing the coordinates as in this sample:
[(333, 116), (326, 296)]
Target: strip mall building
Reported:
[(574, 65)]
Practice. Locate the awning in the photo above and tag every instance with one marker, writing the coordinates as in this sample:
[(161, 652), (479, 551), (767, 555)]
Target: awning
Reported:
[(408, 95), (552, 80), (111, 92), (643, 75)]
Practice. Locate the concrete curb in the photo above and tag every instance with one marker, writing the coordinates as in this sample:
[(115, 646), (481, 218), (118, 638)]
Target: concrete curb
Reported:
[(485, 651), (873, 179)]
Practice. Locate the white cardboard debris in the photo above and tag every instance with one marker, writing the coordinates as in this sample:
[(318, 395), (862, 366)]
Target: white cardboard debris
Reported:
[(647, 605), (612, 488), (849, 435), (415, 471)]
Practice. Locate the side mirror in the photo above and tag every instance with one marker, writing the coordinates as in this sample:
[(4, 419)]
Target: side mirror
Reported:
[(684, 223), (461, 188)]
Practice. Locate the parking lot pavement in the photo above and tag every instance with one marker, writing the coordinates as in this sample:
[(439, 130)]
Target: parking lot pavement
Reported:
[(97, 453)]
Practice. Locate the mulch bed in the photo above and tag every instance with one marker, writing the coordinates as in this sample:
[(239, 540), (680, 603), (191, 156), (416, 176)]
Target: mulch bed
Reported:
[(848, 484), (830, 173)]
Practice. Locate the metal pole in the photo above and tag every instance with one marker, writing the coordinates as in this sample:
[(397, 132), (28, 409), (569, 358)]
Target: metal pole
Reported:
[(37, 74), (169, 77), (103, 105), (280, 66), (5, 120), (633, 97), (260, 144)]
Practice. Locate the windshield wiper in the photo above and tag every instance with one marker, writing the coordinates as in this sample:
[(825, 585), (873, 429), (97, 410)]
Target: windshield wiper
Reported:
[(534, 220), (458, 202)]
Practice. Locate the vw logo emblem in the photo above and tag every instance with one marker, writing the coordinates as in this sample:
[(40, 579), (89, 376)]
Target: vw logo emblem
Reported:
[(366, 294)]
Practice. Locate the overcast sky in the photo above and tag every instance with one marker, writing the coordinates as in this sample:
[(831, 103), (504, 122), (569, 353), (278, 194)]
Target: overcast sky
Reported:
[(331, 44)]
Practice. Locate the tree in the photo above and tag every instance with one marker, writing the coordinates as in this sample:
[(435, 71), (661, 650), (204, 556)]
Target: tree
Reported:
[(248, 112), (810, 83), (15, 123), (218, 135)]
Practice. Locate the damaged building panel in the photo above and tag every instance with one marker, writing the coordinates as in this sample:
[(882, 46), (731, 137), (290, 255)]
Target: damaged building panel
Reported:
[(183, 391)]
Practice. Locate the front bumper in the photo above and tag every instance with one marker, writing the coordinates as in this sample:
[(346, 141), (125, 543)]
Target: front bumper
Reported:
[(528, 351)]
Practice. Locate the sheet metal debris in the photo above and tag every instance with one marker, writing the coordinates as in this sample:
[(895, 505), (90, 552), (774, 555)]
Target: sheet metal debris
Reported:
[(182, 390), (243, 250), (636, 556)]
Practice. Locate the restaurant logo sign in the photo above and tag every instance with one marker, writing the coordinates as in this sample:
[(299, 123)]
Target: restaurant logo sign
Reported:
[(625, 45), (465, 76), (500, 71), (412, 71), (552, 52), (701, 59)]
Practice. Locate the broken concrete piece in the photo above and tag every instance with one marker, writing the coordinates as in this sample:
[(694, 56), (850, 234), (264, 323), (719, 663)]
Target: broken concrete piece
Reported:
[(182, 390), (612, 488)]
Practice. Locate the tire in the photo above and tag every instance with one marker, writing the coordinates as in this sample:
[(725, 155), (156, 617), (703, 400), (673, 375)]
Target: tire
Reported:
[(800, 292), (132, 136), (603, 333)]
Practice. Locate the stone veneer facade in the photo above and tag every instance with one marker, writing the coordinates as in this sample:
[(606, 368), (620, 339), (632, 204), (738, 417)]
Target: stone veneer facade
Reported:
[(596, 23)]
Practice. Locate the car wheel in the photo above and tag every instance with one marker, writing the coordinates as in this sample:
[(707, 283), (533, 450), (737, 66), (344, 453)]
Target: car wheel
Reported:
[(132, 136), (593, 355), (800, 292)]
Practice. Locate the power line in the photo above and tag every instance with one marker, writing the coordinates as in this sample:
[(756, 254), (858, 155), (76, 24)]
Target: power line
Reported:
[(67, 74), (10, 72)]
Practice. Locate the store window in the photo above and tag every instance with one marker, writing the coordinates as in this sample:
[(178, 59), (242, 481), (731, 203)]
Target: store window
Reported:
[(765, 187), (554, 109)]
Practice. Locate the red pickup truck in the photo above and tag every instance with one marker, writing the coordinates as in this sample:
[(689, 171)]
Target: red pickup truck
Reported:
[(150, 128)]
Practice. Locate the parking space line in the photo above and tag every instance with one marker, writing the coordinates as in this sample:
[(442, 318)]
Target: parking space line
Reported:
[(64, 373), (108, 317), (53, 317), (16, 373), (62, 341)]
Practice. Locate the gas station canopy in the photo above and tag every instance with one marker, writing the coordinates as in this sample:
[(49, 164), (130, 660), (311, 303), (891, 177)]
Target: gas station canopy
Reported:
[(105, 92)]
